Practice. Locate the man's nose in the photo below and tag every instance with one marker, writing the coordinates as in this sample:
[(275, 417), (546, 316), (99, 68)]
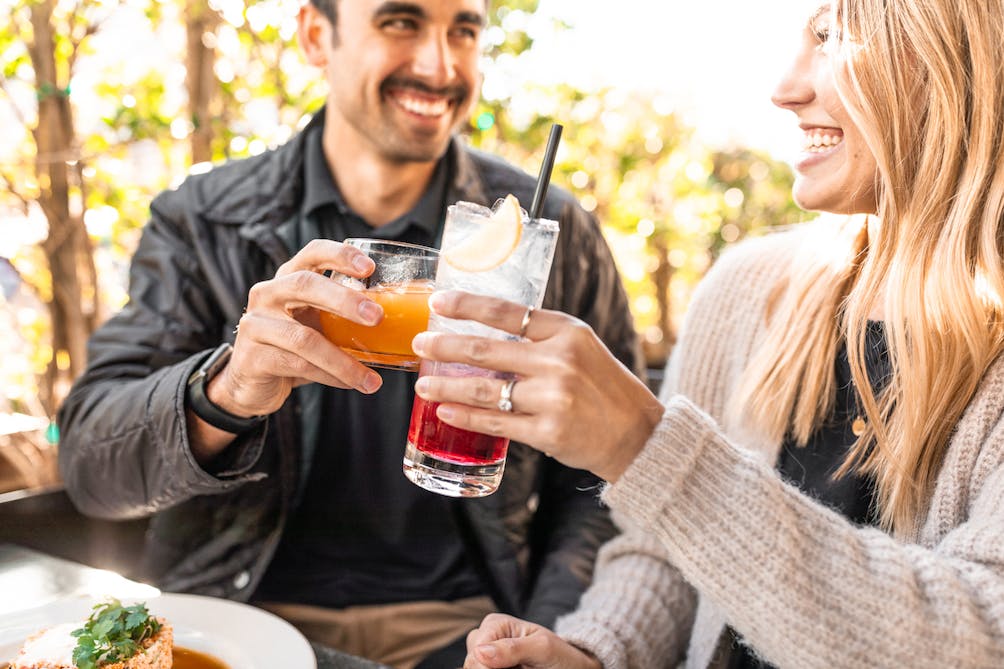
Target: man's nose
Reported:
[(434, 60)]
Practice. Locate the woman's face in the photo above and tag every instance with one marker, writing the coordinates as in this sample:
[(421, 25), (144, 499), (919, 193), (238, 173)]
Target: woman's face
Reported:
[(836, 171)]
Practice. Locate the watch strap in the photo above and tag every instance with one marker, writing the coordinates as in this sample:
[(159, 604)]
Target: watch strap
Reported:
[(204, 408)]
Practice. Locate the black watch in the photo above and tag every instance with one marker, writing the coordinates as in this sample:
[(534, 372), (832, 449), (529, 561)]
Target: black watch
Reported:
[(204, 408)]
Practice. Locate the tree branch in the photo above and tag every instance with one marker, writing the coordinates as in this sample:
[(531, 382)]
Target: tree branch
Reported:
[(9, 186), (75, 44), (10, 99)]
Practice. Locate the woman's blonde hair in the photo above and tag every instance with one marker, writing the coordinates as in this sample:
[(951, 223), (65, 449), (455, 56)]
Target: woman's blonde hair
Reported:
[(923, 81)]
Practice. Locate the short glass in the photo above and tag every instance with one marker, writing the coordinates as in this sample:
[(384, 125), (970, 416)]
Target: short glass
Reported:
[(401, 283), (439, 457)]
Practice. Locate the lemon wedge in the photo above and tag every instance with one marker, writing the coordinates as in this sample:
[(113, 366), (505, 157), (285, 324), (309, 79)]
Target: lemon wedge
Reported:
[(492, 243)]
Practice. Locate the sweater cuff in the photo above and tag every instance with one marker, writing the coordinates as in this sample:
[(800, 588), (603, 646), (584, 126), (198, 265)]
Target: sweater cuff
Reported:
[(593, 636), (668, 456)]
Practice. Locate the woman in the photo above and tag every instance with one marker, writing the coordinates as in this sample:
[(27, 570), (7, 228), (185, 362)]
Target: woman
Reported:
[(822, 484)]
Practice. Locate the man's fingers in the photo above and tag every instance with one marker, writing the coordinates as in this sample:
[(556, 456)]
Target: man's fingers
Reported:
[(498, 313), (293, 350), (321, 255), (300, 289)]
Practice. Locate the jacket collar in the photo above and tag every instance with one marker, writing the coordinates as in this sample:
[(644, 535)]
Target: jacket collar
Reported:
[(467, 183), (271, 190)]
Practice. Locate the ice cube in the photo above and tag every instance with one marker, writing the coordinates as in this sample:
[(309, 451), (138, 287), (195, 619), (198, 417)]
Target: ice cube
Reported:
[(524, 216), (468, 209)]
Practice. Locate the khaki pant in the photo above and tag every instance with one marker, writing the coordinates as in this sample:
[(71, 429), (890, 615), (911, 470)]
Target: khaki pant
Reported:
[(400, 635)]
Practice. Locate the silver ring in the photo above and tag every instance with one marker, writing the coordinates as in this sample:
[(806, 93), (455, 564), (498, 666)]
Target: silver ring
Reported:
[(526, 322), (505, 396)]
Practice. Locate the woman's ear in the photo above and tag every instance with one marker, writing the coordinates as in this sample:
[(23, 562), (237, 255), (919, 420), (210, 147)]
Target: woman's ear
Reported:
[(314, 32)]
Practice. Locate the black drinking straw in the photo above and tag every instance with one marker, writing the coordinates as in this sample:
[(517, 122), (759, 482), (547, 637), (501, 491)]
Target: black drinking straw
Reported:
[(544, 178)]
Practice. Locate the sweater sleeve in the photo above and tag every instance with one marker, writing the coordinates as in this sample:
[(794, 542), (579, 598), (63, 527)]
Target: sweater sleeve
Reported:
[(639, 610), (816, 591)]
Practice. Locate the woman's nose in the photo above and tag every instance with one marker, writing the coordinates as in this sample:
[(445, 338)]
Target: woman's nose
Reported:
[(796, 85)]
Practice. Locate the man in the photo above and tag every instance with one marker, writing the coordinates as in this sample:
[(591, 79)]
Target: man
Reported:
[(272, 470)]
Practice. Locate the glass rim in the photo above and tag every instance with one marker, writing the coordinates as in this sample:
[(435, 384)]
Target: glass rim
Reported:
[(548, 224), (391, 243)]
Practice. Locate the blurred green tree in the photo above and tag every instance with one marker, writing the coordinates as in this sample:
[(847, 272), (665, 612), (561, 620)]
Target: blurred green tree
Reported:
[(668, 204), (96, 135), (42, 43)]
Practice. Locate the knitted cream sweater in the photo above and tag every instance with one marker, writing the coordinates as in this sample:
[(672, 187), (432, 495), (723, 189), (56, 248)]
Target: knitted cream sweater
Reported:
[(713, 536)]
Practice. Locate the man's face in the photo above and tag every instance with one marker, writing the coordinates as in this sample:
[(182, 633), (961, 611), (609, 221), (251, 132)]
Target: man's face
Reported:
[(403, 75)]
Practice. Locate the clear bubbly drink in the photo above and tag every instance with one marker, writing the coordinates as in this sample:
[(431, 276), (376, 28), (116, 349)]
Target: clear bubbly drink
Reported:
[(501, 253)]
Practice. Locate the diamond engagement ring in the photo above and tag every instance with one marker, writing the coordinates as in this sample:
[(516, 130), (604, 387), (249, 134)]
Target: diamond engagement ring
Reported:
[(526, 322), (505, 396)]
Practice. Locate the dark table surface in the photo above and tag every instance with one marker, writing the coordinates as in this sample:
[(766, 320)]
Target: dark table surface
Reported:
[(39, 579)]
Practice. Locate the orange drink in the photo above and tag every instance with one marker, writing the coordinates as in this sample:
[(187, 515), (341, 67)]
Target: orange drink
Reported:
[(401, 282), (387, 344)]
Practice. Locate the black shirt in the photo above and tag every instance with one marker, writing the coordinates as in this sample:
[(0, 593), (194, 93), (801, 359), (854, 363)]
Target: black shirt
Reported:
[(361, 532), (811, 467)]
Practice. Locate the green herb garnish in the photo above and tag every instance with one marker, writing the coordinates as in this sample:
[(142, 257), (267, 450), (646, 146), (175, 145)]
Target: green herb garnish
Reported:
[(113, 633)]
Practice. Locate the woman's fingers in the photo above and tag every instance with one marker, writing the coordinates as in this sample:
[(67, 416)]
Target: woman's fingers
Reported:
[(503, 356), (498, 313), (502, 641), (519, 427), (479, 391)]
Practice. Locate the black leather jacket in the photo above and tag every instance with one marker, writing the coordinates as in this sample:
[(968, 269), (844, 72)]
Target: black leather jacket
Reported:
[(124, 451)]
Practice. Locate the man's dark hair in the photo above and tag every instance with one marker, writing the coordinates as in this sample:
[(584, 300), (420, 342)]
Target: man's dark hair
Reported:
[(327, 8)]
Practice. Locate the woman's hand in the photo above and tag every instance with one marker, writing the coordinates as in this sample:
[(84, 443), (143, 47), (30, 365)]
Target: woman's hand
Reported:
[(504, 641), (573, 399)]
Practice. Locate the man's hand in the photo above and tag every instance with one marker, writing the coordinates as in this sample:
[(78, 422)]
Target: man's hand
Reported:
[(503, 641), (279, 345)]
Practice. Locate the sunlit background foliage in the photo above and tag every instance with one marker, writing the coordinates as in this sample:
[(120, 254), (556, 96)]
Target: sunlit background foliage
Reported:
[(103, 103)]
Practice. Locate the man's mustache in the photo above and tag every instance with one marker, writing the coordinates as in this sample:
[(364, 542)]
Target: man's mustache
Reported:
[(455, 91)]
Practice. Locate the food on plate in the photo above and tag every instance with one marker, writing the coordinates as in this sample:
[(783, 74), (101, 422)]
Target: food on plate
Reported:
[(113, 637)]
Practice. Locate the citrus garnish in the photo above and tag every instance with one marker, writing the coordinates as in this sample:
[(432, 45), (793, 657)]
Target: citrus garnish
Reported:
[(492, 243)]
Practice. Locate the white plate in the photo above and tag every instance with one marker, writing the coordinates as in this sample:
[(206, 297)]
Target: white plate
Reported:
[(242, 636)]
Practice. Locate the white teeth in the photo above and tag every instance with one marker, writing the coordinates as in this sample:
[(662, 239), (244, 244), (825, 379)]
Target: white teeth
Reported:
[(423, 107), (816, 141)]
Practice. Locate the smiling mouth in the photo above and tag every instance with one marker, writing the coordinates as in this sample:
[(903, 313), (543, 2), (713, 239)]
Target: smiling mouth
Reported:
[(428, 108), (820, 140), (420, 103)]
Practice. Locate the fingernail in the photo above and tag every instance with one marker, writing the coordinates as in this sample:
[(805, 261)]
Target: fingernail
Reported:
[(422, 386), (362, 263), (370, 311), (372, 383), (437, 300), (420, 341), (445, 412), (487, 652)]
